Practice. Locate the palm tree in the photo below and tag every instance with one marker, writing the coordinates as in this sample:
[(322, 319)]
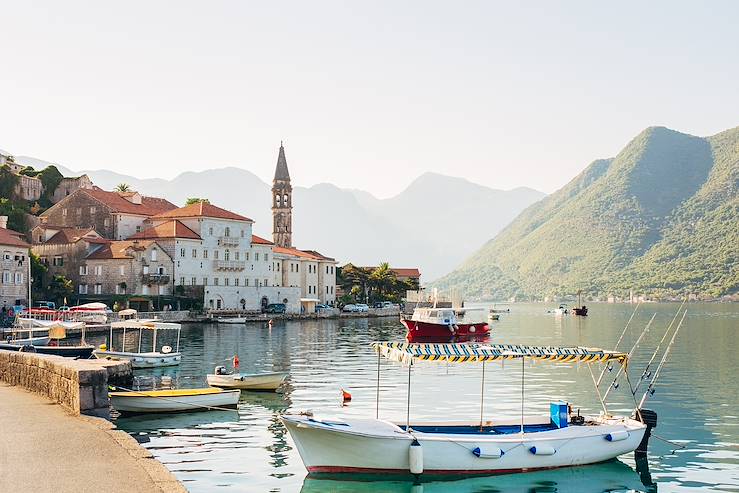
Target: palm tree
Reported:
[(123, 187), (383, 279)]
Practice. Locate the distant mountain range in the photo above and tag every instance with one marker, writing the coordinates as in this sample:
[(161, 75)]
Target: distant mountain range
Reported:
[(662, 217), (434, 224)]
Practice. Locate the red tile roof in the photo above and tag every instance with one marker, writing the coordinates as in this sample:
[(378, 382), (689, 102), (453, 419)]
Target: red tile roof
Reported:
[(119, 249), (260, 241), (169, 229), (12, 238), (400, 272), (117, 202), (202, 209), (309, 254), (71, 235)]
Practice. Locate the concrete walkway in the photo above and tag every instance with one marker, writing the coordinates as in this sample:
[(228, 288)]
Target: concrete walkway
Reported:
[(42, 448)]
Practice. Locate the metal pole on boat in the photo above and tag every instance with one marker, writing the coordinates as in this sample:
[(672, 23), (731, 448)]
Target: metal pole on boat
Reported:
[(408, 408), (377, 397), (140, 339), (623, 333), (650, 388), (179, 330), (124, 340), (110, 348), (523, 373), (154, 341), (628, 357), (482, 393)]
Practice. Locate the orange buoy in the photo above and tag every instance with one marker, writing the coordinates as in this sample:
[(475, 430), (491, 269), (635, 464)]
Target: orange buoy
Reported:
[(236, 361), (346, 396)]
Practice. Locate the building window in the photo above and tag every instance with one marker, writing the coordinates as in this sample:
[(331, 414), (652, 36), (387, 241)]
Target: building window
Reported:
[(58, 261), (194, 281), (120, 288), (247, 256), (205, 281), (93, 210), (161, 271), (236, 255), (227, 255), (215, 281), (266, 282), (215, 254), (332, 269), (98, 270), (122, 270), (146, 269), (297, 267), (79, 211), (266, 257), (138, 229), (257, 283), (64, 211), (332, 290), (205, 253), (182, 281), (182, 252), (227, 232), (83, 270), (256, 256), (236, 281), (83, 288), (19, 278), (194, 253), (246, 282), (226, 281), (98, 288), (210, 231), (242, 233)]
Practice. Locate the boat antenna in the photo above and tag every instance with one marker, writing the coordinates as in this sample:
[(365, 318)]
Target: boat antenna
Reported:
[(650, 387), (523, 373), (623, 332), (482, 393), (646, 374), (628, 357)]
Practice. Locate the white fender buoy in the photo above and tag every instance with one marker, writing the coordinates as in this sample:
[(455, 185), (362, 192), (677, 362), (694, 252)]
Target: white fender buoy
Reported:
[(472, 329), (617, 436), (415, 457), (542, 450), (488, 452)]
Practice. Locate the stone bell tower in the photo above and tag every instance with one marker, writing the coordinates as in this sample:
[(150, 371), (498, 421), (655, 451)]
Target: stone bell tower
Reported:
[(282, 203)]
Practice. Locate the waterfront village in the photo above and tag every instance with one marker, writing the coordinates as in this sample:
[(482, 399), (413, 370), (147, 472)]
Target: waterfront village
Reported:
[(131, 251)]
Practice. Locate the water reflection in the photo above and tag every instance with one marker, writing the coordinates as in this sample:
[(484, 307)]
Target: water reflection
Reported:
[(611, 476)]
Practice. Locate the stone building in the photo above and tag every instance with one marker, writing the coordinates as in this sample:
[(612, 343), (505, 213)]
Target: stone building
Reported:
[(15, 266), (115, 215), (130, 267), (282, 203), (69, 185), (63, 250), (28, 188)]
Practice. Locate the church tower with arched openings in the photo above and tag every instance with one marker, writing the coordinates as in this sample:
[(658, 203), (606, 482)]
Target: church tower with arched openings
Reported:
[(282, 203)]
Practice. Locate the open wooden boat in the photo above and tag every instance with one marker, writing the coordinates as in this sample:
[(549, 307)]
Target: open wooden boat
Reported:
[(248, 381), (376, 446), (170, 401)]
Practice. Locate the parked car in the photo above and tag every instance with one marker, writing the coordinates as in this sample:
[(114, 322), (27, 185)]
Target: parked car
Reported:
[(276, 308), (361, 307), (46, 305), (321, 307), (350, 308)]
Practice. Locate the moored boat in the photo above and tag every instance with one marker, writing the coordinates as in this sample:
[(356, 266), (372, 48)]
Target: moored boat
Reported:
[(169, 401), (231, 320), (497, 446), (166, 356), (247, 381), (444, 324)]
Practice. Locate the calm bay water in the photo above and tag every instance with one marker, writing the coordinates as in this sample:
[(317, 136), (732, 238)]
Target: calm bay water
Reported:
[(697, 399)]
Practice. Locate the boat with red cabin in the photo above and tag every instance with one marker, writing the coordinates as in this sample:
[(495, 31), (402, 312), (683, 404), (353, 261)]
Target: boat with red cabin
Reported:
[(444, 324)]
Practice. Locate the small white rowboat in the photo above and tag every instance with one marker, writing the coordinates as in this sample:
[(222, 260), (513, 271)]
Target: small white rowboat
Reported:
[(246, 381), (169, 401), (232, 320)]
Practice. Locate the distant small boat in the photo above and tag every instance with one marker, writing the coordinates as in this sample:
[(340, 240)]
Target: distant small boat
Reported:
[(443, 324), (171, 401), (561, 310), (247, 381), (231, 320)]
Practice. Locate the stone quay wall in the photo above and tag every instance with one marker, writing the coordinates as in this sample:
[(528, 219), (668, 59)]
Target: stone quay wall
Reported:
[(79, 386)]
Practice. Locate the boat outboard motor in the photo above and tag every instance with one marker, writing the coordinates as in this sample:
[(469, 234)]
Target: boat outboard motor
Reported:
[(649, 418), (28, 348), (221, 370)]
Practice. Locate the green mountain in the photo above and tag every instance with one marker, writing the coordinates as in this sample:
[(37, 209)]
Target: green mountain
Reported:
[(662, 217)]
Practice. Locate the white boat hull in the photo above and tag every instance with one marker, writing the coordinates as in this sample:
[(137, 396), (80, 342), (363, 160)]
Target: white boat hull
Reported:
[(244, 381), (142, 360), (133, 403), (234, 320), (374, 446)]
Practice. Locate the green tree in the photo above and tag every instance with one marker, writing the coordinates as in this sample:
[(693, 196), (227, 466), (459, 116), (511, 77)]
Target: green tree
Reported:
[(38, 274), (196, 200), (59, 288), (123, 187), (382, 280), (8, 181)]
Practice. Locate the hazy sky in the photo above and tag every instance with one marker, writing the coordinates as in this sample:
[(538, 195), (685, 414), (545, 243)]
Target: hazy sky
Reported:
[(365, 95)]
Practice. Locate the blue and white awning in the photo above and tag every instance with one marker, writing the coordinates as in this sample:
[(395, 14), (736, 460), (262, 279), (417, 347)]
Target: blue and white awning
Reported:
[(471, 352)]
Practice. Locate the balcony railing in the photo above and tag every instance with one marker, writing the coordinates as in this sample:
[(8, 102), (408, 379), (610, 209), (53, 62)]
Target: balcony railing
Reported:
[(229, 265), (155, 278), (228, 241)]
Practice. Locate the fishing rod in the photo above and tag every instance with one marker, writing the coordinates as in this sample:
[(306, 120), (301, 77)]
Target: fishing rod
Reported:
[(646, 373), (628, 357), (650, 388), (608, 366)]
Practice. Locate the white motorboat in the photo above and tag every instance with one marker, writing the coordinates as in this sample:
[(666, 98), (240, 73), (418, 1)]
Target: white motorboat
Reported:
[(169, 401), (166, 356), (561, 310), (231, 320), (247, 381), (351, 445)]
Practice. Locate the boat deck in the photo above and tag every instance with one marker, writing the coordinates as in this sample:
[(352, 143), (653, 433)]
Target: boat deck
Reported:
[(485, 430)]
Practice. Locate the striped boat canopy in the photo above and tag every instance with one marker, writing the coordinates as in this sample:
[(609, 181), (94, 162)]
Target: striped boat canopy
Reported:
[(472, 352)]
